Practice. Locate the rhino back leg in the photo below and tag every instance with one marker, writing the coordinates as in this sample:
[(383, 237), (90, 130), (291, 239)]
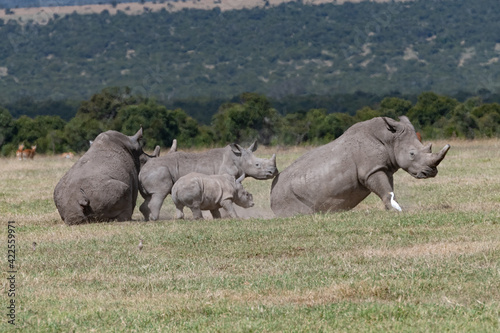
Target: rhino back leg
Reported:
[(215, 213), (151, 208), (155, 183), (179, 209)]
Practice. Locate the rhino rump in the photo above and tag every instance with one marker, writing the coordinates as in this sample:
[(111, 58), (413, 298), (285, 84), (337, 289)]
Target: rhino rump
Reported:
[(103, 184), (97, 199)]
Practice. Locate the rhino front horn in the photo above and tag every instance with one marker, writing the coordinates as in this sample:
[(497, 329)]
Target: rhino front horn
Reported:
[(440, 156)]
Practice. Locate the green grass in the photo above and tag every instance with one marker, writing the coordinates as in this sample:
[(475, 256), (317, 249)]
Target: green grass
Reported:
[(434, 268)]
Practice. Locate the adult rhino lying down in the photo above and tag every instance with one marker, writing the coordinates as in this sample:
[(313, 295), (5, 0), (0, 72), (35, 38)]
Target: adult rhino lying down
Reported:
[(103, 184), (159, 174), (210, 192), (339, 175)]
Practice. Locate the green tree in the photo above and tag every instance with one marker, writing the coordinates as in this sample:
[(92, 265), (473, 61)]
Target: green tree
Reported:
[(430, 108), (79, 130), (394, 106), (252, 118), (160, 125), (104, 106), (488, 119), (6, 132)]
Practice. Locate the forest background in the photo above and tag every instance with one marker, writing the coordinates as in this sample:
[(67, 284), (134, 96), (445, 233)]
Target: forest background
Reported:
[(286, 74)]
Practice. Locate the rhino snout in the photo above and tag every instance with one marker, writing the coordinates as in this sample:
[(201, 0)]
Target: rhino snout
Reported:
[(272, 172)]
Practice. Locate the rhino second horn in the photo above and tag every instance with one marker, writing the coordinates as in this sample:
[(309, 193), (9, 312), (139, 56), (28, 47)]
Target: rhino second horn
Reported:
[(239, 180)]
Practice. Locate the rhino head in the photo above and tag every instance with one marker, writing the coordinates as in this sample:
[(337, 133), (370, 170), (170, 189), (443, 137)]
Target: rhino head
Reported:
[(242, 197), (410, 154), (252, 166)]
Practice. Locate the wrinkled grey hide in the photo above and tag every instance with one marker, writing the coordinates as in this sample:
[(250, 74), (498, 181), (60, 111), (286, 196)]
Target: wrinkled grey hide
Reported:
[(339, 175), (209, 192), (102, 185), (159, 175)]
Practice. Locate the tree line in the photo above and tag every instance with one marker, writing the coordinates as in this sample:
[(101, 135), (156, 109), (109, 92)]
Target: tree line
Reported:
[(249, 117), (290, 49)]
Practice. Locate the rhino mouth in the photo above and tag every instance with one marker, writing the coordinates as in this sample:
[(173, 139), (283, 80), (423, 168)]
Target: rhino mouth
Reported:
[(272, 173), (426, 173), (268, 174)]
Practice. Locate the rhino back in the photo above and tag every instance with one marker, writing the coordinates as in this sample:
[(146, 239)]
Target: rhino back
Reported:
[(169, 168)]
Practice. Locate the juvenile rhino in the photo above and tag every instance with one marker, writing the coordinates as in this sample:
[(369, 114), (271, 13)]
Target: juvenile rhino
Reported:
[(159, 175), (339, 175), (103, 184), (210, 192)]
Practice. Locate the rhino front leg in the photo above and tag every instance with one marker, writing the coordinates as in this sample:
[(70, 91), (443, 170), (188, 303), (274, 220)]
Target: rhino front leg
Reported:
[(195, 208), (228, 206), (382, 185)]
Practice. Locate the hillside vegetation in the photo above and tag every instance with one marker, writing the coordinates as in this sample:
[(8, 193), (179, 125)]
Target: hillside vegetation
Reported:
[(290, 49)]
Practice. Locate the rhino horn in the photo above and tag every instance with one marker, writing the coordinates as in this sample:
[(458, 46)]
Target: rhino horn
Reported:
[(437, 158), (428, 148), (156, 152), (239, 180), (273, 159), (174, 146)]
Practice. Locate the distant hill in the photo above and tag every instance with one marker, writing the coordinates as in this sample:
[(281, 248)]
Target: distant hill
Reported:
[(289, 49), (45, 3)]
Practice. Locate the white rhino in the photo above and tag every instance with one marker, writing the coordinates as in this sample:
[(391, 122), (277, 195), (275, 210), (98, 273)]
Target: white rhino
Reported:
[(339, 175), (103, 184), (159, 175), (210, 192)]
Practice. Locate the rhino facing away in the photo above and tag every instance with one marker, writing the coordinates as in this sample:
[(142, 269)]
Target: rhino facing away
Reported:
[(103, 184), (341, 174), (159, 175), (210, 192)]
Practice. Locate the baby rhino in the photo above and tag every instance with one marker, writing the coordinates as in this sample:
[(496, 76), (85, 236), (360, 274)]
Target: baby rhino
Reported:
[(210, 192)]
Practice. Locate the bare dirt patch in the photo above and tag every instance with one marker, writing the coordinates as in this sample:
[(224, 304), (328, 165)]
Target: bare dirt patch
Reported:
[(42, 15)]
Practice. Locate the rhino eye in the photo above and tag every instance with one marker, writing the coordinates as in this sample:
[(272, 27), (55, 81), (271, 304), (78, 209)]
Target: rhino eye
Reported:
[(257, 165), (412, 155)]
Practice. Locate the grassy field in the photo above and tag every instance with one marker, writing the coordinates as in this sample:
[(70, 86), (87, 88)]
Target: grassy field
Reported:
[(433, 268)]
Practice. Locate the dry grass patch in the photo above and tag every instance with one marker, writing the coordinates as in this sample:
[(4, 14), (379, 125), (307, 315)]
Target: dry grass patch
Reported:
[(432, 268)]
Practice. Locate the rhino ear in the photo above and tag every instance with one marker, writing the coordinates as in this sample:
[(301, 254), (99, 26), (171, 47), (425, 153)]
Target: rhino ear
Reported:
[(137, 136), (173, 148), (404, 119), (391, 124), (253, 146), (236, 148), (156, 152)]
